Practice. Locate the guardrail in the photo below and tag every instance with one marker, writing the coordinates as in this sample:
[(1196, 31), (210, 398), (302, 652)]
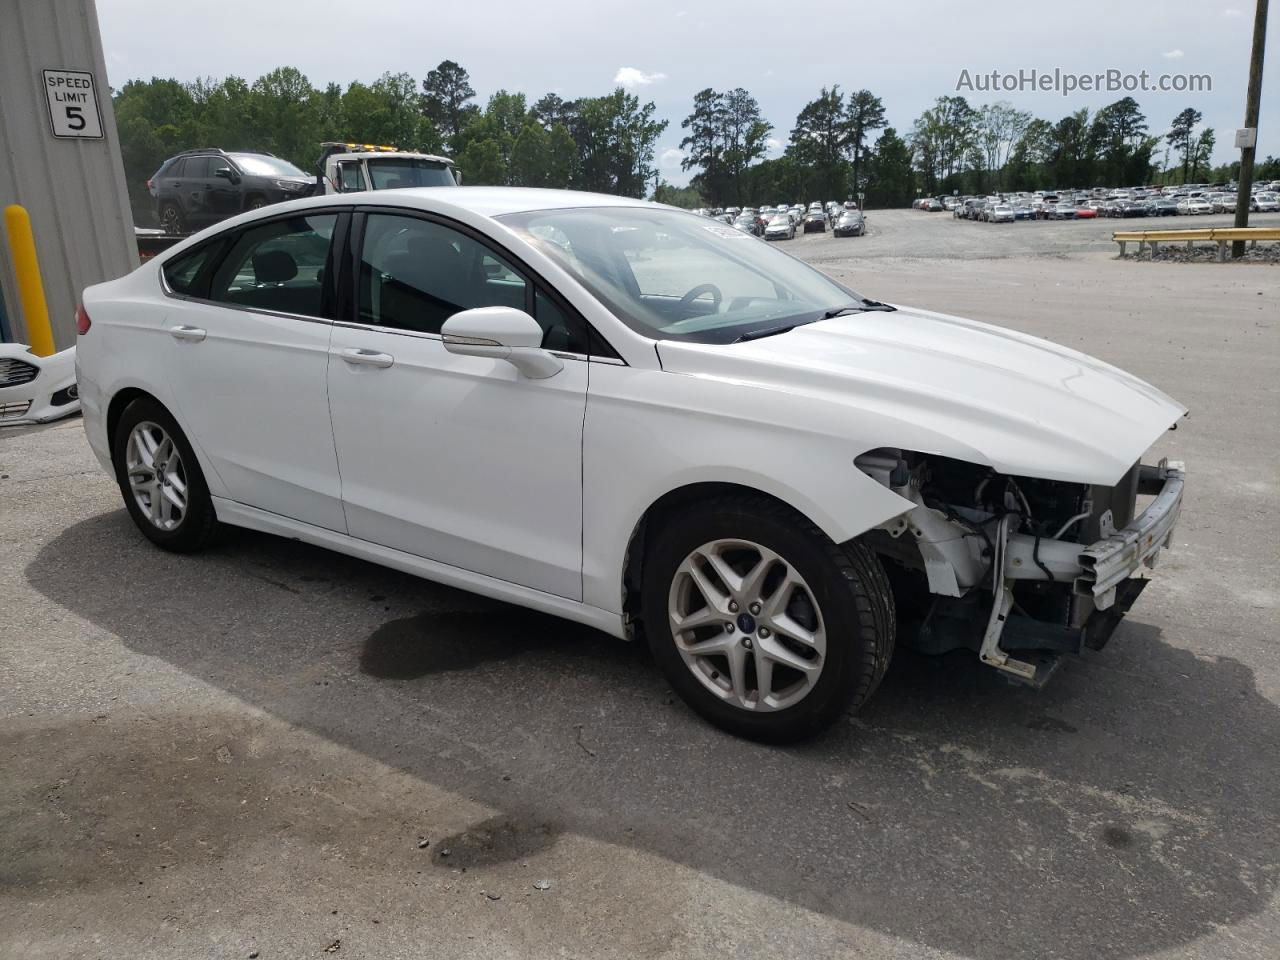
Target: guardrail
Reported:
[(1222, 236)]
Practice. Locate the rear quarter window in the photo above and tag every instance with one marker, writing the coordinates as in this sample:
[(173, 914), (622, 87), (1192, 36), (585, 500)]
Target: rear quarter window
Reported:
[(187, 274)]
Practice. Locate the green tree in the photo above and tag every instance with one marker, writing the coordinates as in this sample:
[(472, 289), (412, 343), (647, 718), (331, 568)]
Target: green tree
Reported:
[(616, 136), (1181, 137), (283, 115), (552, 109), (1203, 154), (685, 197), (891, 179), (446, 96), (745, 136), (704, 146), (999, 128), (482, 164), (389, 111), (1072, 156), (942, 139), (562, 157), (1121, 141), (531, 156), (818, 141), (864, 114)]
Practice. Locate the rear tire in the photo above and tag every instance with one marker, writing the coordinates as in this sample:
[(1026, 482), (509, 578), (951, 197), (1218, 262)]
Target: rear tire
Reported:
[(160, 479), (171, 219), (778, 660)]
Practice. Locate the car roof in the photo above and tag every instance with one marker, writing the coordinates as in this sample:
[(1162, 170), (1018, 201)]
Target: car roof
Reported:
[(483, 201)]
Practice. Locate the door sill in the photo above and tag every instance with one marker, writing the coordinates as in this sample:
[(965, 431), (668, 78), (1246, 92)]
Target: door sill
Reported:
[(240, 515)]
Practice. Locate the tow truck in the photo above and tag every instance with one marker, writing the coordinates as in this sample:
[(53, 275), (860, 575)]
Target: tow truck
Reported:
[(353, 167)]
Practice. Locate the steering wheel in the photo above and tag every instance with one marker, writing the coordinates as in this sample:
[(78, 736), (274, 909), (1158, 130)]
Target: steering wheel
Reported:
[(699, 290)]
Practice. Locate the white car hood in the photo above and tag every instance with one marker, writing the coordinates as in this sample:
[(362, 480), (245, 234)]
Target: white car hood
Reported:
[(944, 385)]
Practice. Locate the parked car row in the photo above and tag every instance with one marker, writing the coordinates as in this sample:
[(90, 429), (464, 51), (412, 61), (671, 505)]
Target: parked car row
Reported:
[(1079, 205), (783, 221)]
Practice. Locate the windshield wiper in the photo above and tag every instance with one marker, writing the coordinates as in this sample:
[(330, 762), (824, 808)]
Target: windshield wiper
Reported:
[(764, 332), (863, 307)]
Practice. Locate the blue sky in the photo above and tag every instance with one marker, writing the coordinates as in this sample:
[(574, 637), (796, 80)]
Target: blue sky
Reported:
[(908, 51)]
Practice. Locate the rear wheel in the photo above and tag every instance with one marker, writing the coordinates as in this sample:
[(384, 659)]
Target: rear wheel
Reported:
[(171, 219), (160, 479), (760, 622)]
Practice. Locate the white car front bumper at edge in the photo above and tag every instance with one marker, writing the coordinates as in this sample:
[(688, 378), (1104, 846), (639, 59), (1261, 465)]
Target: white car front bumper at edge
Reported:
[(36, 389)]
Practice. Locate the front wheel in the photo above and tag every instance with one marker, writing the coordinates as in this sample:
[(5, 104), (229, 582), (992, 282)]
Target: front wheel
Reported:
[(761, 623)]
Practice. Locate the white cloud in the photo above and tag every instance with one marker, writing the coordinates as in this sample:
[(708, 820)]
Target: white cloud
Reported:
[(671, 157), (773, 144), (1232, 12), (631, 77), (1174, 54)]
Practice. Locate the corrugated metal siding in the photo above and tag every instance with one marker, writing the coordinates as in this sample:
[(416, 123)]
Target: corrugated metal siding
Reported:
[(73, 189)]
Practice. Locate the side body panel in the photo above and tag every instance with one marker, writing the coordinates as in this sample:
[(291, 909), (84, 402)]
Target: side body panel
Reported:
[(648, 433)]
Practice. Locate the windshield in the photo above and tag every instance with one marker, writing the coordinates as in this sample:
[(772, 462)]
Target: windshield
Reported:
[(394, 172), (670, 275), (260, 166)]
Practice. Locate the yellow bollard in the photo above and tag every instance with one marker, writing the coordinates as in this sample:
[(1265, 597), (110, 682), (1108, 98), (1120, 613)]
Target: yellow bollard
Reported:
[(30, 287)]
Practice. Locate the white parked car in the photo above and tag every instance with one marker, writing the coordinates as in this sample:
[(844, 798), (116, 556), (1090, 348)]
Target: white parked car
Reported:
[(1266, 202), (634, 418), (1194, 205), (1001, 213)]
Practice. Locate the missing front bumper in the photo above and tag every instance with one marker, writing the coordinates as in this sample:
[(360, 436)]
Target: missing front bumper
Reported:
[(1103, 573)]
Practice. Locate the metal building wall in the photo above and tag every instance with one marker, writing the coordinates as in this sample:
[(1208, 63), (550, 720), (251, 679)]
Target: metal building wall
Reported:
[(73, 189)]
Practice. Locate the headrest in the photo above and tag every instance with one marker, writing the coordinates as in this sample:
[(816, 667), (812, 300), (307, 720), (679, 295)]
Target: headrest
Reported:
[(274, 266)]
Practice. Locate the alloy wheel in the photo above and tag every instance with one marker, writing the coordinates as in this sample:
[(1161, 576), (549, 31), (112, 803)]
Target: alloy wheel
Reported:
[(747, 625), (156, 474)]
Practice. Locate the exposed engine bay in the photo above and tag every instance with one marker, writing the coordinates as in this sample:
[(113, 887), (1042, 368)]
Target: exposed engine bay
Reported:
[(1019, 569)]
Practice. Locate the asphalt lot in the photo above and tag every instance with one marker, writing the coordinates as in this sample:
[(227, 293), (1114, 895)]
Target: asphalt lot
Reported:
[(243, 750)]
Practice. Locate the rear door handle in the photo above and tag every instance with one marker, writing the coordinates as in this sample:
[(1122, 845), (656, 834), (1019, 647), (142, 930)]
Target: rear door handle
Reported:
[(194, 334), (370, 358)]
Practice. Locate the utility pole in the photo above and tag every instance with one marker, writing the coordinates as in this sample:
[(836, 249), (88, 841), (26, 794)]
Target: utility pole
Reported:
[(1251, 107)]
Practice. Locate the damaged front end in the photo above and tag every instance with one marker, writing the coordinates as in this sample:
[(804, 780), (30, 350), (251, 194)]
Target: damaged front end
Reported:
[(1022, 570)]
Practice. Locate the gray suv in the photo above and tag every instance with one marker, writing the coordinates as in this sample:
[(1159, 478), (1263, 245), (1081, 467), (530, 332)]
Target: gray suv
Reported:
[(200, 187)]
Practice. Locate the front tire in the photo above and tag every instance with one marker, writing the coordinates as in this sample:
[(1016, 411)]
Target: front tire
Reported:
[(160, 479), (761, 623)]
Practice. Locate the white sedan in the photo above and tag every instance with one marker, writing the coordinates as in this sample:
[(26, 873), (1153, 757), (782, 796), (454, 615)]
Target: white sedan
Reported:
[(638, 419)]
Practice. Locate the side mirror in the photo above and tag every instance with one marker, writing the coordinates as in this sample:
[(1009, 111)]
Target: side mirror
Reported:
[(226, 173), (457, 176), (502, 333)]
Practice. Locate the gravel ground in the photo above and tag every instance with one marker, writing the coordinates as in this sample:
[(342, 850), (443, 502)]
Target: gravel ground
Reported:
[(268, 750)]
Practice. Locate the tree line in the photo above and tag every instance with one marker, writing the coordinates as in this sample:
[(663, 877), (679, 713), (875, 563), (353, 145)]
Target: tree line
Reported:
[(951, 146), (840, 144)]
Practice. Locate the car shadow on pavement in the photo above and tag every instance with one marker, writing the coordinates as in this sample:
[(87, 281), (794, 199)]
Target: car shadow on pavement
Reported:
[(1129, 807)]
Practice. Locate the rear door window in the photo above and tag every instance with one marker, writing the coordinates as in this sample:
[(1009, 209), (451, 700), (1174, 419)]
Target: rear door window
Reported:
[(281, 265)]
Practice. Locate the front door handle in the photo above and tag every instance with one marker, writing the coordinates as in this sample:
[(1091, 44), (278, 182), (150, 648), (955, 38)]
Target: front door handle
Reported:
[(194, 334), (370, 358)]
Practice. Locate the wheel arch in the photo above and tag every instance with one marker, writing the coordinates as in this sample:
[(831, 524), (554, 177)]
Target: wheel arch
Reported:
[(119, 402), (673, 500)]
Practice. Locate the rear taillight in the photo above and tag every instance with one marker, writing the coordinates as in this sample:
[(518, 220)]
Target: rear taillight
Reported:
[(149, 185), (82, 320)]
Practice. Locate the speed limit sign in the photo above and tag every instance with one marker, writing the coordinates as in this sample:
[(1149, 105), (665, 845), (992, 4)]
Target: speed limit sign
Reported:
[(73, 104)]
